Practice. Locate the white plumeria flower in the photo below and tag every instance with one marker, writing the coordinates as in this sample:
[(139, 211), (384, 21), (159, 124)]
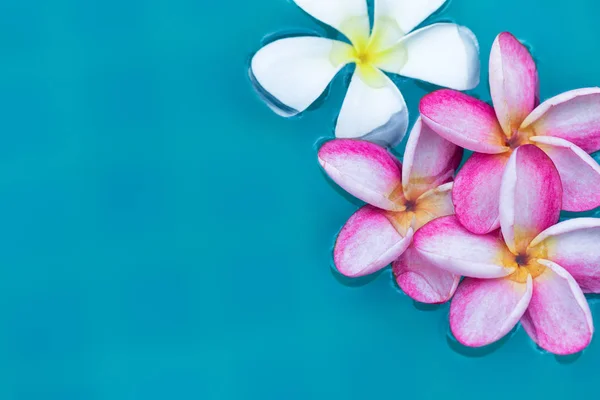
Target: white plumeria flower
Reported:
[(291, 73)]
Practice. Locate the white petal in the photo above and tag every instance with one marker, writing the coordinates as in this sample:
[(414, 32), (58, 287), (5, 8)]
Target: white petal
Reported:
[(442, 54), (373, 110), (407, 13), (290, 74), (347, 16)]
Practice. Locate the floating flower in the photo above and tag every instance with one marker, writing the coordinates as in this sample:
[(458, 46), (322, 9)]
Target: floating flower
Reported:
[(535, 270), (566, 127), (400, 201), (291, 73)]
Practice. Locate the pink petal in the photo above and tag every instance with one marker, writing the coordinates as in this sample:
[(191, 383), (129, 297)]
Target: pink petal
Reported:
[(573, 244), (513, 82), (365, 170), (421, 280), (558, 318), (574, 116), (463, 120), (530, 197), (484, 310), (367, 243), (579, 173), (476, 193), (446, 244), (429, 161)]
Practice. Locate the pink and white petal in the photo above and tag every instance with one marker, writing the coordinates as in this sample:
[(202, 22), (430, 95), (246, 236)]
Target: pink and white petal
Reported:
[(373, 110), (407, 14), (476, 193), (446, 244), (514, 83), (485, 310), (421, 280), (443, 54), (573, 244), (573, 116), (347, 16), (365, 170), (367, 243), (530, 197), (579, 173), (290, 74), (429, 161), (464, 121), (558, 318)]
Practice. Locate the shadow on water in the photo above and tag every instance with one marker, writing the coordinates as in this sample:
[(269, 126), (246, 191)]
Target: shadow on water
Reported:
[(320, 142), (426, 307), (566, 360), (592, 298), (433, 17), (418, 305), (429, 87), (477, 352), (354, 282), (425, 86), (288, 33)]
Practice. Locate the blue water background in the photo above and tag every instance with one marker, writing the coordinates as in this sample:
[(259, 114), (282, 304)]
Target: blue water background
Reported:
[(166, 236)]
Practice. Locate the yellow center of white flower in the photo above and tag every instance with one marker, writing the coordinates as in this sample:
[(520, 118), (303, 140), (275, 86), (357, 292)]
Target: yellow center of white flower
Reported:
[(373, 51)]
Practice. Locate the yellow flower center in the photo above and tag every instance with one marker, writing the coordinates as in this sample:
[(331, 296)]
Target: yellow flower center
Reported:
[(525, 263), (518, 138), (373, 51), (414, 214), (363, 57)]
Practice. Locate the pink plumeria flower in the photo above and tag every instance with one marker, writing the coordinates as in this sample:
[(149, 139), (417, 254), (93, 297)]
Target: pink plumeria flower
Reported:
[(291, 73), (400, 201), (566, 127), (534, 271)]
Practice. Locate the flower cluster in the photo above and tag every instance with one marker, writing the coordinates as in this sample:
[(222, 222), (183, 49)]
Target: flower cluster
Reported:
[(487, 237)]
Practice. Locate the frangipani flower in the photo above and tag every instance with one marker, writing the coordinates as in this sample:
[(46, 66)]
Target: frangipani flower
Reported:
[(566, 127), (290, 74), (533, 272), (400, 201)]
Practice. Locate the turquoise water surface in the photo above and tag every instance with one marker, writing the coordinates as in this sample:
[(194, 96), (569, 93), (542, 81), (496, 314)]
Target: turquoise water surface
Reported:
[(166, 236)]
